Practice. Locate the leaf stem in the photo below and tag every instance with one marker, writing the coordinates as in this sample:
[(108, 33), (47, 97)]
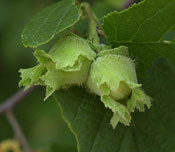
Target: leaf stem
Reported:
[(93, 23), (15, 99)]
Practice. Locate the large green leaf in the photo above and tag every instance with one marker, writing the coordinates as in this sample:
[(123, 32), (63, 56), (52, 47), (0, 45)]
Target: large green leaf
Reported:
[(147, 21), (141, 28), (147, 52), (49, 22), (151, 131)]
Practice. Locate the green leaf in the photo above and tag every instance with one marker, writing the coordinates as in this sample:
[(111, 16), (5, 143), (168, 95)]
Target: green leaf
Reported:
[(150, 131), (170, 35), (55, 147), (146, 53), (50, 22), (142, 28), (138, 24)]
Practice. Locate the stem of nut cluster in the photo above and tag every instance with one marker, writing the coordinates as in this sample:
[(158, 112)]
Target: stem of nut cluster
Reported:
[(93, 23)]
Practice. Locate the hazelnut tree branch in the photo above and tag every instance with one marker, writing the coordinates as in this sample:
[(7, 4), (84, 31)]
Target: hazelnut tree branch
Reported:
[(15, 99), (128, 3), (18, 131), (7, 107)]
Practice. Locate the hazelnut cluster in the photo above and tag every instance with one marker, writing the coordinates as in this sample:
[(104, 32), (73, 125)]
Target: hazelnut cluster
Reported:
[(109, 74)]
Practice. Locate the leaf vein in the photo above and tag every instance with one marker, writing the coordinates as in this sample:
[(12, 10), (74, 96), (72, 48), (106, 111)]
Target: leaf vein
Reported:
[(62, 18), (46, 19), (100, 124), (147, 19)]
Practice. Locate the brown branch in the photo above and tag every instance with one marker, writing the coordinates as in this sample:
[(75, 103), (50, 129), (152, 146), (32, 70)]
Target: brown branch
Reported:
[(11, 102), (7, 108), (128, 3), (101, 33), (18, 131)]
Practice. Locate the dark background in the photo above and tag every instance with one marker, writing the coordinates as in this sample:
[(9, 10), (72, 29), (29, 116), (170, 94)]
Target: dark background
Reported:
[(41, 121)]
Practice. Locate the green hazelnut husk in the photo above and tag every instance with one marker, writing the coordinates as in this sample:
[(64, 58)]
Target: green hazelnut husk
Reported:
[(67, 63), (113, 78)]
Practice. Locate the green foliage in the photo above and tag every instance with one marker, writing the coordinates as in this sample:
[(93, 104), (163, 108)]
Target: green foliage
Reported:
[(89, 120), (142, 28), (40, 121), (56, 148), (170, 35), (146, 53), (49, 22), (141, 22)]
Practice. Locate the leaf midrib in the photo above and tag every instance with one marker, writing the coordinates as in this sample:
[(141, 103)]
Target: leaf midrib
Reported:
[(46, 19)]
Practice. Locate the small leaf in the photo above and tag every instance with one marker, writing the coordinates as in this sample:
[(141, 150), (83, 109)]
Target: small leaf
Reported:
[(50, 22)]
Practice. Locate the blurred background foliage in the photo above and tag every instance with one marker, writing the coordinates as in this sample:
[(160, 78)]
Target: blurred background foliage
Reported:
[(41, 121)]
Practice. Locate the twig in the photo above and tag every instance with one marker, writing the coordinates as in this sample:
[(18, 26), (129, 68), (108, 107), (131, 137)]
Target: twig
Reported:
[(125, 5), (128, 4), (11, 102), (101, 33), (18, 131), (7, 107)]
